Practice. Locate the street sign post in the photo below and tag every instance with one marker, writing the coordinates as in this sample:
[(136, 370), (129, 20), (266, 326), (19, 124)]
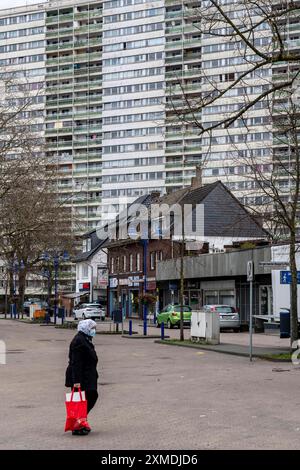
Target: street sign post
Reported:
[(250, 277)]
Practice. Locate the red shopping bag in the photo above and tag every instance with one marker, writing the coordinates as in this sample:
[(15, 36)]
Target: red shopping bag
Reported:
[(76, 413)]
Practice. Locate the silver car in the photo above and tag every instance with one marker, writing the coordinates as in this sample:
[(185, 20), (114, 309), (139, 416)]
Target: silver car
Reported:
[(229, 317), (89, 310)]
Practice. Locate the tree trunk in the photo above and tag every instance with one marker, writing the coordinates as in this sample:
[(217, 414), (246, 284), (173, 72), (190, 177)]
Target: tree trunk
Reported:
[(22, 287), (293, 291)]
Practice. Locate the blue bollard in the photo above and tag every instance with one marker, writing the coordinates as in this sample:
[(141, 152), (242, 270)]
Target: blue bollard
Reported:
[(145, 327), (162, 331), (130, 327)]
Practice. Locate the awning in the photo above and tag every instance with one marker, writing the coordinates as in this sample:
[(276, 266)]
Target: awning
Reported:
[(73, 295)]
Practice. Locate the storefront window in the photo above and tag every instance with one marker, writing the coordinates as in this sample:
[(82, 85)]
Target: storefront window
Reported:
[(211, 297), (227, 297)]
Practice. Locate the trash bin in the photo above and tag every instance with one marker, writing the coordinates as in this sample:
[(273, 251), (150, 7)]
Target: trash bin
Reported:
[(117, 316), (285, 324), (61, 312)]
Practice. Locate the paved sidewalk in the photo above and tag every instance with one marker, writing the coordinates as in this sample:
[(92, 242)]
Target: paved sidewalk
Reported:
[(231, 343)]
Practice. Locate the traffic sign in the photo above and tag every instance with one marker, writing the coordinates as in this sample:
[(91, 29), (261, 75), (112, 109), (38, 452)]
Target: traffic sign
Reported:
[(286, 277), (250, 271)]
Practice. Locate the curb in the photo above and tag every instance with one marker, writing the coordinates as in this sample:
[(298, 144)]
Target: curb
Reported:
[(232, 353), (144, 337)]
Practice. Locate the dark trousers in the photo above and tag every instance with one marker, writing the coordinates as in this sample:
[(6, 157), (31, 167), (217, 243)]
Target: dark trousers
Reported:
[(91, 397)]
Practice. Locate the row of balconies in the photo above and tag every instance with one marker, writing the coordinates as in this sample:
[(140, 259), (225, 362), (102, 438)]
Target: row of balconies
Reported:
[(73, 16), (183, 29), (74, 101), (183, 149), (71, 71), (74, 58), (74, 115), (75, 143), (74, 45), (89, 28), (62, 88), (73, 130)]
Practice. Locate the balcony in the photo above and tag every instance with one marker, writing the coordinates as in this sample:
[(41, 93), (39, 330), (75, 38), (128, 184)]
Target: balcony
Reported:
[(59, 18), (59, 102), (59, 73), (86, 129), (172, 59), (88, 84), (174, 149), (174, 164), (59, 89), (177, 74), (59, 32), (88, 29), (67, 143), (62, 130), (87, 114), (55, 117), (185, 44)]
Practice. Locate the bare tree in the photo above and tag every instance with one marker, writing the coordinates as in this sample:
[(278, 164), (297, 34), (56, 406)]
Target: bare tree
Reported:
[(258, 69)]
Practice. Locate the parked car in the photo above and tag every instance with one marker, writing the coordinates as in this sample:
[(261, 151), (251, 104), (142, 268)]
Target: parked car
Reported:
[(170, 315), (89, 310), (229, 317)]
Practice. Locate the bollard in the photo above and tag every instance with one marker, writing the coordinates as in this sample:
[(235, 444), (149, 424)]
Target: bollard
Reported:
[(130, 327), (145, 327), (162, 331)]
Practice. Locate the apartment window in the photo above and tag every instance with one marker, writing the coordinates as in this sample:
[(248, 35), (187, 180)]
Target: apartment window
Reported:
[(138, 261), (112, 265), (130, 262), (124, 263), (85, 271), (152, 260), (158, 256)]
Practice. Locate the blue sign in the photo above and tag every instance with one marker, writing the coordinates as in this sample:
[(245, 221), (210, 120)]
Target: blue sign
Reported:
[(286, 277)]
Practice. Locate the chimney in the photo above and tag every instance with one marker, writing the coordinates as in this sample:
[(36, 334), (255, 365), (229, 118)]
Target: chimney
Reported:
[(155, 195), (196, 181)]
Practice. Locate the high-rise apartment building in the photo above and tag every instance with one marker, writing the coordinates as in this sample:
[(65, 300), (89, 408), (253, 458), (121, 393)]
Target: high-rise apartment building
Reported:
[(115, 74)]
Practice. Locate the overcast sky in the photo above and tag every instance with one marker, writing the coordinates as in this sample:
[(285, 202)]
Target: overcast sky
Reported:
[(17, 3)]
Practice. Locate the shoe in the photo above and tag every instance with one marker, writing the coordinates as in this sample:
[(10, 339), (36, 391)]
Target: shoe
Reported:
[(80, 432)]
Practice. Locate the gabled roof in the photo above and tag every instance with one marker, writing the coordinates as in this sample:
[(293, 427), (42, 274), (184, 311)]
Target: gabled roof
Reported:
[(88, 254), (225, 216)]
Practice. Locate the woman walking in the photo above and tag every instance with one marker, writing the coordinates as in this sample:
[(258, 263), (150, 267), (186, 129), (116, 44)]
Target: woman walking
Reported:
[(82, 369)]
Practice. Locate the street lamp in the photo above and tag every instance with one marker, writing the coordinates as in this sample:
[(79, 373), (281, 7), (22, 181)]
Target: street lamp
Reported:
[(56, 257)]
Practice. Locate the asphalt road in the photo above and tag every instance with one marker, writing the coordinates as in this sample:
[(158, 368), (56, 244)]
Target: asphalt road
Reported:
[(152, 396)]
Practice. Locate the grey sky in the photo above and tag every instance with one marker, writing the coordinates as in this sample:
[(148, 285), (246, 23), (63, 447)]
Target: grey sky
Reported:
[(17, 3)]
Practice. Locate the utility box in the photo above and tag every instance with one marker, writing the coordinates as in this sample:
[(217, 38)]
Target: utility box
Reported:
[(205, 326), (32, 309)]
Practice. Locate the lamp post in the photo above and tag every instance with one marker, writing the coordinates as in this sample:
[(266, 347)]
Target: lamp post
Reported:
[(56, 257), (145, 306)]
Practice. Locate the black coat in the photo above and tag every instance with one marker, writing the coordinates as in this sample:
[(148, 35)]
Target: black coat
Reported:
[(83, 361)]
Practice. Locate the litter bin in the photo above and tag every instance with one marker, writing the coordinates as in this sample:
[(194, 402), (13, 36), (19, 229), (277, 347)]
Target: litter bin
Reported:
[(285, 324), (61, 312), (117, 316)]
